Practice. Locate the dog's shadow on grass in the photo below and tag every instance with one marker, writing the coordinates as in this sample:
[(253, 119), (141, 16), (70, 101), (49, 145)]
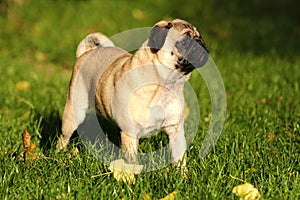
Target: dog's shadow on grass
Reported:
[(50, 130)]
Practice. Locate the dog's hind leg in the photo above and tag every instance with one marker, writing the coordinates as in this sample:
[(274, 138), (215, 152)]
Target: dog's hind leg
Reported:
[(74, 113), (68, 126)]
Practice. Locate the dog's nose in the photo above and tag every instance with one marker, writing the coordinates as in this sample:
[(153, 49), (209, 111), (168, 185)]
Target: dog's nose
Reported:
[(197, 54)]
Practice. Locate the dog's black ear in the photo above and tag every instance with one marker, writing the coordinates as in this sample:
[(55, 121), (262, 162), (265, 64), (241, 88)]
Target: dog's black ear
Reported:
[(157, 37)]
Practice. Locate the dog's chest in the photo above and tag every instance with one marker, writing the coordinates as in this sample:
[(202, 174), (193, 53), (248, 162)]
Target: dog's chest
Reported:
[(153, 107)]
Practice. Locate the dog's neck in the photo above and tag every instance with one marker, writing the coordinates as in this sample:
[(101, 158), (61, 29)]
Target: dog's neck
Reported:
[(168, 75)]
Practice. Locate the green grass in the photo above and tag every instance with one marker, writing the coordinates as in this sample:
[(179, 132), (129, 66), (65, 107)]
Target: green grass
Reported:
[(256, 48)]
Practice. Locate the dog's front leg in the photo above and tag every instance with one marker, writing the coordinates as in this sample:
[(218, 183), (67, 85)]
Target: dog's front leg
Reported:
[(177, 144), (129, 146)]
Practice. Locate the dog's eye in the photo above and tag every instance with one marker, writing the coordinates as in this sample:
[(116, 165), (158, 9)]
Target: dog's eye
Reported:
[(188, 34), (198, 39)]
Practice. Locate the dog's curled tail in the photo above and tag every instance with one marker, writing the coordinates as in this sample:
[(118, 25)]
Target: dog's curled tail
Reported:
[(91, 42)]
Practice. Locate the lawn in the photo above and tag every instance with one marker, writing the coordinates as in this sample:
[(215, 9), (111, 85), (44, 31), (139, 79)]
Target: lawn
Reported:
[(256, 47)]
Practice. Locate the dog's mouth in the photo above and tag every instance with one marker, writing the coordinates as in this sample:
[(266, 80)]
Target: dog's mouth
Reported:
[(194, 54), (184, 66)]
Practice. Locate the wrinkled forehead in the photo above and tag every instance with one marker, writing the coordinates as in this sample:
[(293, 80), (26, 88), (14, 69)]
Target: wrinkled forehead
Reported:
[(184, 27)]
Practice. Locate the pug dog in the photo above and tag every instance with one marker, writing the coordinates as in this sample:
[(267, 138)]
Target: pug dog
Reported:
[(139, 93)]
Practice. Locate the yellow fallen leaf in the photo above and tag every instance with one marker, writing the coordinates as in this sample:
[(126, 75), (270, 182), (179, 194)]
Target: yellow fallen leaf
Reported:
[(23, 86), (124, 176), (170, 196), (122, 166), (124, 171), (246, 191)]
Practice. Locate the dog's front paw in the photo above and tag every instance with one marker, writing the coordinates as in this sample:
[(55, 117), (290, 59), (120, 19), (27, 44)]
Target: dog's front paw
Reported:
[(181, 166), (129, 147)]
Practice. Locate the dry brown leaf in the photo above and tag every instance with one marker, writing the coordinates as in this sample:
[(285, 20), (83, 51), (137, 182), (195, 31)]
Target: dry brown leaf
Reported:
[(261, 101), (26, 139), (125, 172), (28, 147), (4, 111), (170, 196), (271, 136), (279, 97)]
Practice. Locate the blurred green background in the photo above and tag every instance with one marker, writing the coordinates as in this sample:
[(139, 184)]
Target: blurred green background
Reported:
[(52, 28)]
